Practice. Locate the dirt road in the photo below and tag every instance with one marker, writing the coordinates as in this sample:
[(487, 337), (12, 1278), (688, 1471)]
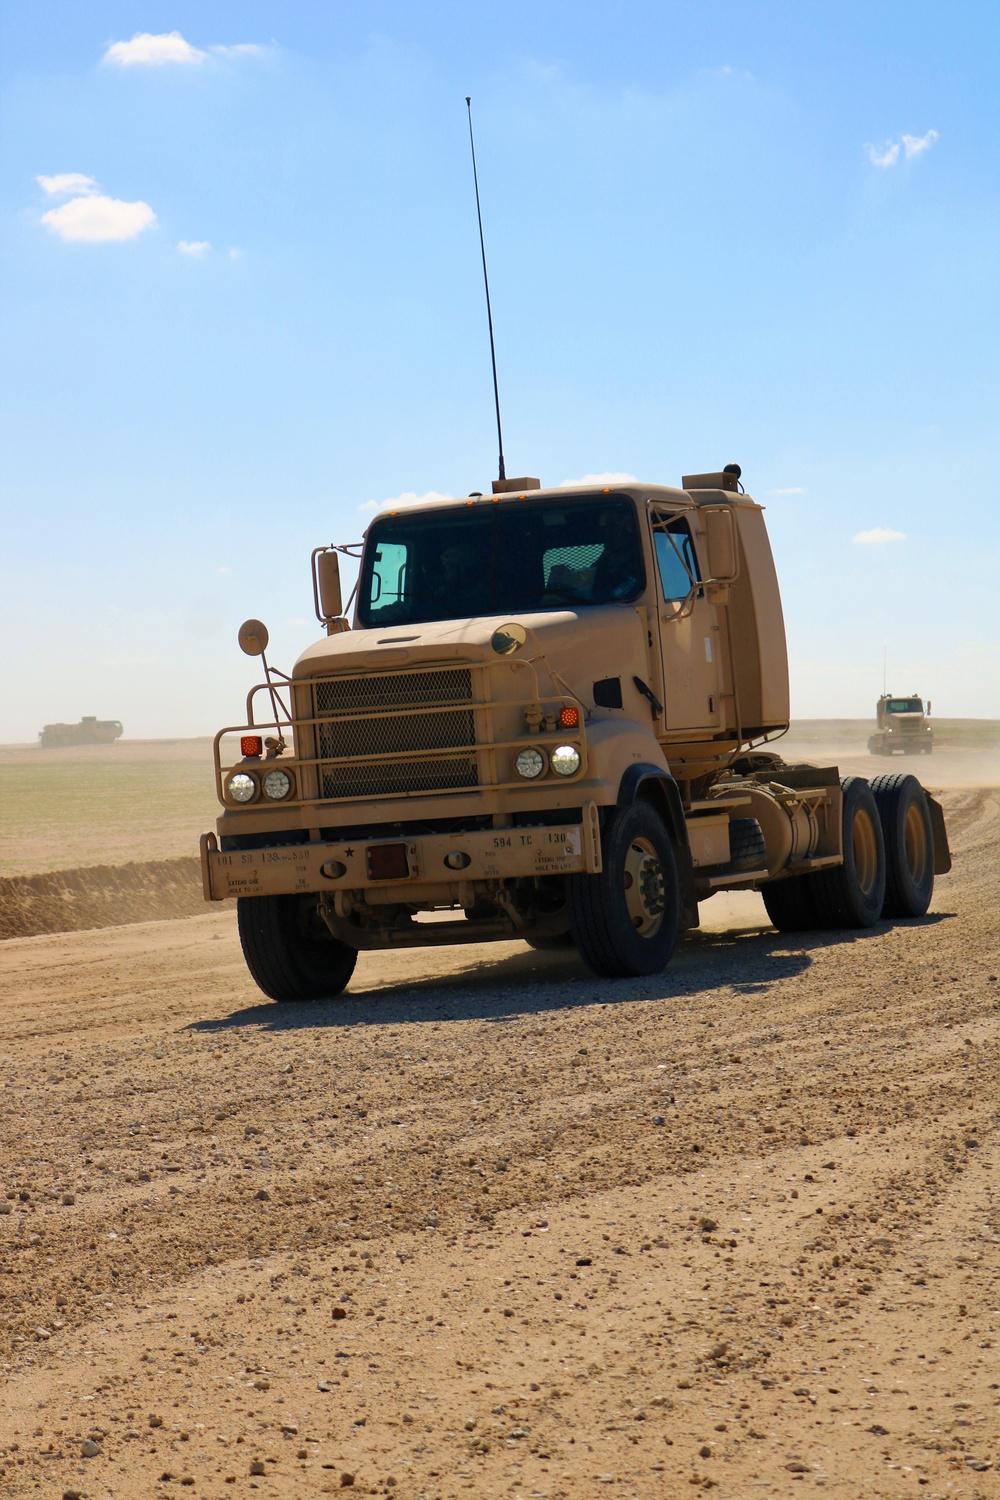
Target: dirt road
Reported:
[(488, 1225)]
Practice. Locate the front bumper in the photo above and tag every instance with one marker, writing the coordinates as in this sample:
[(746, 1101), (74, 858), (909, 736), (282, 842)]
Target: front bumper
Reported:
[(492, 854)]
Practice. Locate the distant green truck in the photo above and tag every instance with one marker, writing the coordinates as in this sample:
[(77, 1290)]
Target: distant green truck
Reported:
[(902, 727), (89, 731)]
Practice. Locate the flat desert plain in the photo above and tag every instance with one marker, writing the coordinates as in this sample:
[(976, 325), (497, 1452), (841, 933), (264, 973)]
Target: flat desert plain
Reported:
[(487, 1225)]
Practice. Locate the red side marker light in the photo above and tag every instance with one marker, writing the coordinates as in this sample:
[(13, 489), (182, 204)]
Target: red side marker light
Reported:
[(250, 744), (569, 718)]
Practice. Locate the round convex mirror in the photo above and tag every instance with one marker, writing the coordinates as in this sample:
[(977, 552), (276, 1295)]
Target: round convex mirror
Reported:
[(253, 637), (508, 639)]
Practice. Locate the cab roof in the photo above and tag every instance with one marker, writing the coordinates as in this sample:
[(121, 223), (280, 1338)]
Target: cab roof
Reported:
[(635, 490)]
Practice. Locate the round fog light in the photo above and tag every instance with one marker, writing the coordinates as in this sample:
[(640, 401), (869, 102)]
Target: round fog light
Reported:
[(529, 763), (565, 759), (458, 860), (277, 785), (241, 787)]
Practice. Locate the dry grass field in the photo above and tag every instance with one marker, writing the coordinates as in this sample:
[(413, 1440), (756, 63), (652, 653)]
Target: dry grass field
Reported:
[(103, 804), (486, 1226)]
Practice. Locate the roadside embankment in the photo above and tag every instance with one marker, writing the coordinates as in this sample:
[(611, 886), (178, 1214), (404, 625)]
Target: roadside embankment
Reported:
[(99, 896)]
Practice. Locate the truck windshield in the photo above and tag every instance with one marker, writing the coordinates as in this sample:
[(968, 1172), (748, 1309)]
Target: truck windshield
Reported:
[(509, 558), (905, 706)]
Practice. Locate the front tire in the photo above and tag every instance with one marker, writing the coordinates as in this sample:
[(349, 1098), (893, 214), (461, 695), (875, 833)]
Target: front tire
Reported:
[(624, 921), (288, 951), (909, 845)]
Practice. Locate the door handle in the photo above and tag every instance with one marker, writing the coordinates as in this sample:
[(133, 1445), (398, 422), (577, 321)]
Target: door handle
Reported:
[(656, 707)]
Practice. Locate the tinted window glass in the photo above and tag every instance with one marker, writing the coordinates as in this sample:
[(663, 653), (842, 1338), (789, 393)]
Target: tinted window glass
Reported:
[(500, 559), (676, 559), (905, 706)]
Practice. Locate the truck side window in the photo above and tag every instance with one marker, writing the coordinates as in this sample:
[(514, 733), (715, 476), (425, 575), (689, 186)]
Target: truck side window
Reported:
[(389, 575), (675, 557)]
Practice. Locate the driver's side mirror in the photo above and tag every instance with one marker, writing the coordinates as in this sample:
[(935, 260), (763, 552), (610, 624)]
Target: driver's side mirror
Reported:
[(331, 600), (328, 596), (720, 541)]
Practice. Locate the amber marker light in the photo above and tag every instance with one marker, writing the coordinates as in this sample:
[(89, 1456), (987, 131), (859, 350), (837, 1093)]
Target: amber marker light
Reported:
[(569, 718), (250, 744)]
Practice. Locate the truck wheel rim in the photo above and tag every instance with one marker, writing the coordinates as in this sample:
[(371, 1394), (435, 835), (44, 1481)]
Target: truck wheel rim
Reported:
[(865, 851), (916, 844), (644, 888)]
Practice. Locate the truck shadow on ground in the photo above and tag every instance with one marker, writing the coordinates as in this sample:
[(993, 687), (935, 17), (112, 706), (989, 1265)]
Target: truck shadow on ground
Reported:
[(746, 960)]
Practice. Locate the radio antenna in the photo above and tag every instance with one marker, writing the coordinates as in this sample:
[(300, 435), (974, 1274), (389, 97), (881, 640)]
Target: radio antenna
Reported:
[(486, 280)]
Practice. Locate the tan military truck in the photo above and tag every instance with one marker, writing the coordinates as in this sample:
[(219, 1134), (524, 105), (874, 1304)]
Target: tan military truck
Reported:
[(545, 721), (902, 727), (89, 731)]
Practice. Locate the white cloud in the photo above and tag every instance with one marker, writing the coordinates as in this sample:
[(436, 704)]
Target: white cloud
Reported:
[(98, 219), (795, 489), (155, 49), (878, 536), (223, 569), (598, 479), (241, 49), (408, 497), (883, 156), (911, 145), (914, 144), (195, 248), (235, 253), (67, 184), (149, 50)]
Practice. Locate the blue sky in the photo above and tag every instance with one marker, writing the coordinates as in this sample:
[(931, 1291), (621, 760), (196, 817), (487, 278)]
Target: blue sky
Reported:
[(245, 307)]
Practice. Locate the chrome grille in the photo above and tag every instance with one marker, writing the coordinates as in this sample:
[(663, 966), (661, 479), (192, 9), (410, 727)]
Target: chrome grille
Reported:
[(440, 718)]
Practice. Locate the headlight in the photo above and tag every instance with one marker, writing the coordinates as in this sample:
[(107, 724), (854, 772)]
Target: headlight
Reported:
[(277, 785), (241, 787), (529, 763), (564, 760)]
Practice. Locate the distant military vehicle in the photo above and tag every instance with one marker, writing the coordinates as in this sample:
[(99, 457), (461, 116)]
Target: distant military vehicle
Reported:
[(89, 731), (902, 727)]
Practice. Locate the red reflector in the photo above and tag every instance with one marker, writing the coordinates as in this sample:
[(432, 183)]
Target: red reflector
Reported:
[(387, 862), (250, 744), (569, 718)]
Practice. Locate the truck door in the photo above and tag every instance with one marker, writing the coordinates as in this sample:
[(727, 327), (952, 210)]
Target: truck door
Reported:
[(691, 644)]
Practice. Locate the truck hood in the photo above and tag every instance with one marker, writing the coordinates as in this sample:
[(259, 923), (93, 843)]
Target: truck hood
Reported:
[(583, 646)]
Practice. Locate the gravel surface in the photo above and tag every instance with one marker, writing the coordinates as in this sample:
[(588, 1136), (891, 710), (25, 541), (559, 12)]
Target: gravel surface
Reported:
[(489, 1225)]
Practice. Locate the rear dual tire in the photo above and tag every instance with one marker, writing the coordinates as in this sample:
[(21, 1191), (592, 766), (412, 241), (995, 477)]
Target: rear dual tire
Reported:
[(908, 835), (851, 894), (551, 942), (288, 950), (888, 869)]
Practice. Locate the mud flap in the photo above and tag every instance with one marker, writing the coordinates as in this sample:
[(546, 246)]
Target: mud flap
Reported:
[(689, 917), (942, 854), (208, 844)]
